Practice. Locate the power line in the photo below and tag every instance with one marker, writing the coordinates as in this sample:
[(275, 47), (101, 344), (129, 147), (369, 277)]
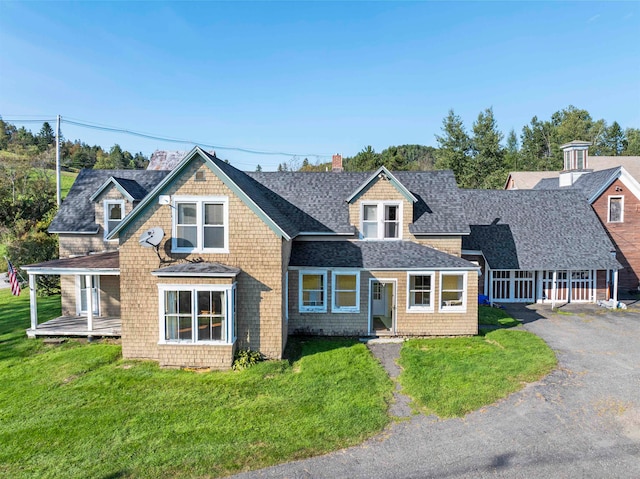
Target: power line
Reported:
[(151, 136)]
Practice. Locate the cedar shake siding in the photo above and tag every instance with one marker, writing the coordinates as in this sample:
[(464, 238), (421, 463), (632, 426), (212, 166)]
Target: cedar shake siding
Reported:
[(253, 247), (408, 323), (625, 235)]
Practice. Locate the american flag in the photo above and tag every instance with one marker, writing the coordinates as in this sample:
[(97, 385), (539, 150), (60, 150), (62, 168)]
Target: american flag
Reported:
[(13, 280)]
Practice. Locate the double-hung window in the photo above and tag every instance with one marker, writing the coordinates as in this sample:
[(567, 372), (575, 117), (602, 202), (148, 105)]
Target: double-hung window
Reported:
[(113, 214), (346, 289), (421, 289), (201, 225), (313, 292), (381, 220), (453, 292), (616, 204), (197, 314)]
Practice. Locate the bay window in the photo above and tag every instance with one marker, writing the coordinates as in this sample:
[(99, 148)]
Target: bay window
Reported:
[(197, 313)]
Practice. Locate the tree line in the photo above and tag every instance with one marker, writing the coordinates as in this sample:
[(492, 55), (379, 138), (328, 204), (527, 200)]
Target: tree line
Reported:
[(482, 158), (27, 189)]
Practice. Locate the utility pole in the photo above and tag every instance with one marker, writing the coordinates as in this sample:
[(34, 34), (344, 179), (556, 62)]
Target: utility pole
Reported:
[(58, 194)]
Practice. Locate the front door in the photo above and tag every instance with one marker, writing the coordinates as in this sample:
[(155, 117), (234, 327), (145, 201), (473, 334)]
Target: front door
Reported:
[(382, 310), (83, 289)]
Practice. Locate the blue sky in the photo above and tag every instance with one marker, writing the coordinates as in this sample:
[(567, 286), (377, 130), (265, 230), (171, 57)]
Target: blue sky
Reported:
[(312, 78)]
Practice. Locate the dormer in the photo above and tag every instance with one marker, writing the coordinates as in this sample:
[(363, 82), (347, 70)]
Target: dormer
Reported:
[(576, 161), (114, 199), (381, 208)]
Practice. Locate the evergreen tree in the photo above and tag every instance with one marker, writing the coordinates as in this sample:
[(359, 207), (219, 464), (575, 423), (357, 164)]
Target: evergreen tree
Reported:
[(46, 137), (537, 141), (487, 167), (633, 142), (258, 168), (512, 151), (613, 142), (455, 148)]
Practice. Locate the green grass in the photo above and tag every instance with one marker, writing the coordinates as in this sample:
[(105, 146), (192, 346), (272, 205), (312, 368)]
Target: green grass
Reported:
[(454, 376), (488, 316), (79, 410)]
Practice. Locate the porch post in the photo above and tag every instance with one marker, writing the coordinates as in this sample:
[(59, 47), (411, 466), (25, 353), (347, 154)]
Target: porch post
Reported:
[(490, 288), (615, 287), (554, 289), (33, 302), (569, 286), (89, 290)]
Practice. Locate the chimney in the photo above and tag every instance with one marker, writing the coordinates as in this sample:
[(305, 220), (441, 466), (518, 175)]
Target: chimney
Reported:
[(336, 163)]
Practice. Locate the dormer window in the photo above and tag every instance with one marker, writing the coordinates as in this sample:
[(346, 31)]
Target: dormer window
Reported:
[(381, 220), (113, 214)]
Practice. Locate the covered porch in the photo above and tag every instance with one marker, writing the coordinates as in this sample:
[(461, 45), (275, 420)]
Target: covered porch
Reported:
[(90, 296), (77, 326)]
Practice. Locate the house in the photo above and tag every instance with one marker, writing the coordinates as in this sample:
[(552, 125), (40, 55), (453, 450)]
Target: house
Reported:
[(611, 185), (191, 264)]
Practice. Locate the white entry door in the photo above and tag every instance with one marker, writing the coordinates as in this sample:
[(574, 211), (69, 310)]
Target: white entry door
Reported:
[(81, 294)]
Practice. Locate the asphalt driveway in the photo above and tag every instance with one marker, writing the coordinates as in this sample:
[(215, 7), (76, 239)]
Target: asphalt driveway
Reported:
[(581, 421)]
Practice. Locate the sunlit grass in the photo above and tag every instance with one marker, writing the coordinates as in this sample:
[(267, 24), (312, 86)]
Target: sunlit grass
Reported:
[(79, 410)]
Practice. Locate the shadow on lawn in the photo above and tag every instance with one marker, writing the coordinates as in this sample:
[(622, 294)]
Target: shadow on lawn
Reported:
[(299, 346)]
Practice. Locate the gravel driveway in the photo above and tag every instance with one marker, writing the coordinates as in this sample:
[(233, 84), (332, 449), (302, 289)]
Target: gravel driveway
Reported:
[(581, 421)]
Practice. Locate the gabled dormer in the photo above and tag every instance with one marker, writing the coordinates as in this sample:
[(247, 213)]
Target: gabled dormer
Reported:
[(114, 199), (381, 208)]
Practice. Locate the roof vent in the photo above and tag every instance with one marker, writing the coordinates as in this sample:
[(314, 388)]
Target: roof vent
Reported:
[(200, 175)]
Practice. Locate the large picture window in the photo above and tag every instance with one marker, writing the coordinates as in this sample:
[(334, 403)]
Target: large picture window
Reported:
[(453, 291), (346, 288), (381, 220), (197, 314), (200, 225), (421, 287), (313, 291)]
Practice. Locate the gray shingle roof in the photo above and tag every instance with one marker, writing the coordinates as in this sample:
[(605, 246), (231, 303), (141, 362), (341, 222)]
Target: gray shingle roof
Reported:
[(316, 201), (536, 230), (589, 183), (372, 255), (77, 211), (260, 195)]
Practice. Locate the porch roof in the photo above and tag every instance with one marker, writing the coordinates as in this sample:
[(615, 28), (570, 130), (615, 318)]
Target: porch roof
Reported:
[(373, 255), (101, 263)]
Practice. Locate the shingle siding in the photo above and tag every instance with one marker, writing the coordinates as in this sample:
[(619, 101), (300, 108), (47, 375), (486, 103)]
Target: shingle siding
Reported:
[(253, 248)]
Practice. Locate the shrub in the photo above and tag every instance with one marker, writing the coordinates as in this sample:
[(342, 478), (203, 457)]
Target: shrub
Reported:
[(245, 358)]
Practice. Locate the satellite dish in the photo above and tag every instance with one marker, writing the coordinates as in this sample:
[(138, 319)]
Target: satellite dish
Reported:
[(151, 237)]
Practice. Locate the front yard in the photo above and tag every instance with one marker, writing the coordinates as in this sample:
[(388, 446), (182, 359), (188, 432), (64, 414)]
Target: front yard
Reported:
[(80, 410)]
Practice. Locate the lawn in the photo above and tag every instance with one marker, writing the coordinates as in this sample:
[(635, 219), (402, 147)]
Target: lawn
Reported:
[(488, 316), (451, 377), (79, 410)]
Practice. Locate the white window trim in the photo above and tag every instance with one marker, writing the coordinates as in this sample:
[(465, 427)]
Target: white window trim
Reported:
[(421, 309), (200, 201), (609, 198), (105, 206), (229, 298), (312, 309), (79, 311), (459, 308), (348, 309), (380, 213)]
